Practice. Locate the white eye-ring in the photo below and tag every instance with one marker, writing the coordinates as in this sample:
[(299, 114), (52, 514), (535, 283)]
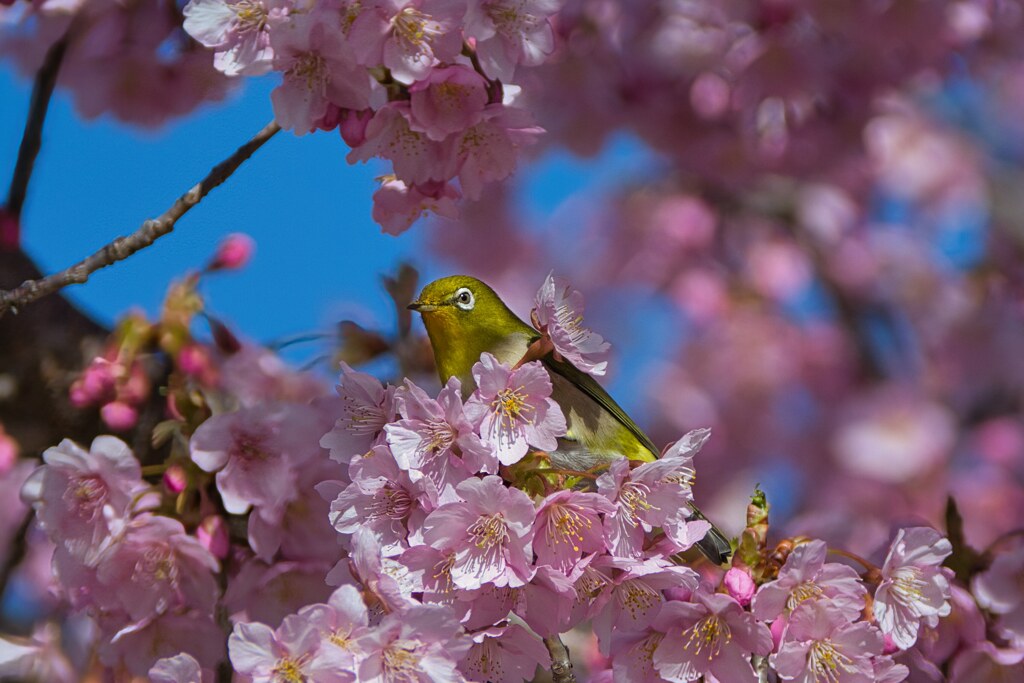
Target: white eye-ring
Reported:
[(464, 299)]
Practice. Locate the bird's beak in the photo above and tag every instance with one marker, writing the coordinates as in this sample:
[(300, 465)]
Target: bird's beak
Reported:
[(421, 307)]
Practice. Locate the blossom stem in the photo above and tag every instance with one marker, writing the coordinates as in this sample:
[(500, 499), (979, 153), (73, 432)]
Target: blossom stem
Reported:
[(151, 230), (561, 665), (856, 558)]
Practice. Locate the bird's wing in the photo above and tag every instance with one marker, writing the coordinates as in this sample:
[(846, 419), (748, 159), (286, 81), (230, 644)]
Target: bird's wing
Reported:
[(591, 388)]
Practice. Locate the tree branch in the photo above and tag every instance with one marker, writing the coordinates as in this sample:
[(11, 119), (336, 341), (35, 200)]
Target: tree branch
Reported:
[(561, 665), (151, 230), (32, 138)]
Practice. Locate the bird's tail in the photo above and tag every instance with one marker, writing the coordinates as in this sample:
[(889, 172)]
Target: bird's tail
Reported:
[(715, 546)]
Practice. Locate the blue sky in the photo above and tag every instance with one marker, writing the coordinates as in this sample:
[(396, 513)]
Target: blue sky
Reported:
[(319, 256)]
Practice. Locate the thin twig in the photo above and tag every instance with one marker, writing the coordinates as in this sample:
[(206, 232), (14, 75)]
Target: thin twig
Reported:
[(561, 665), (151, 230), (32, 137)]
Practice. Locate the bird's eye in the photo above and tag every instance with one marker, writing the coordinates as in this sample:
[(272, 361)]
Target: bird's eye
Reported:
[(464, 299)]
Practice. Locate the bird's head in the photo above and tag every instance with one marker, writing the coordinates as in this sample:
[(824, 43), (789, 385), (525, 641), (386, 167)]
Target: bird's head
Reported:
[(464, 317)]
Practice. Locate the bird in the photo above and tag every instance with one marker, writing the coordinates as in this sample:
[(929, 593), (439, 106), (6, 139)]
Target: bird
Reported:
[(464, 318)]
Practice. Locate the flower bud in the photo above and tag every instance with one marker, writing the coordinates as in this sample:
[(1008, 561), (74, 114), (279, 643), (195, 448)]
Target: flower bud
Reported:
[(353, 126), (8, 452), (234, 252), (212, 534), (740, 585), (119, 416), (194, 360), (175, 479)]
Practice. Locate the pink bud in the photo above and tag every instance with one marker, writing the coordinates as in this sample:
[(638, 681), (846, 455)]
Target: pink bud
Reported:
[(8, 452), (175, 479), (353, 126), (213, 535), (888, 647), (778, 628), (96, 383), (136, 388), (194, 360), (739, 584), (119, 416), (234, 252)]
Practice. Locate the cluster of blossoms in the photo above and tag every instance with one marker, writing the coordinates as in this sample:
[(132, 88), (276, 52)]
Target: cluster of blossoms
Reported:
[(388, 534), (424, 84)]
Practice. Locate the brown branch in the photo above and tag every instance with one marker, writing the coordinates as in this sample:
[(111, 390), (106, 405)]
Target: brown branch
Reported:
[(151, 230), (32, 137), (561, 665)]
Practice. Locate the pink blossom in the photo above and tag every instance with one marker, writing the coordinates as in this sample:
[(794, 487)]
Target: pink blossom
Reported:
[(558, 313), (806, 576), (352, 125), (385, 581), (511, 32), (656, 494), (546, 603), (255, 375), (634, 596), (632, 656), (487, 152), (822, 644), (340, 623), (513, 408), (268, 593), (181, 668), (963, 628), (422, 34), (504, 654), (416, 158), (436, 440), (449, 100), (1000, 590), (423, 643), (233, 252), (83, 498), (366, 406), (396, 206), (382, 499), (319, 70), (915, 586), (712, 634), (490, 531), (270, 655), (568, 526), (157, 567), (237, 30), (255, 453), (139, 646), (739, 585), (301, 531)]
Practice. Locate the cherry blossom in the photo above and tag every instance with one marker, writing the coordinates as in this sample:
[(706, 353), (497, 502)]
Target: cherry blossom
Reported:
[(436, 440), (712, 634), (237, 30), (822, 644), (568, 526), (558, 312), (366, 406), (915, 587), (513, 410), (490, 531), (806, 576), (83, 498), (504, 655)]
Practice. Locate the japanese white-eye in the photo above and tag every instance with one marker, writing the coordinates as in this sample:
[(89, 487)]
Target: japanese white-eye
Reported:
[(465, 318)]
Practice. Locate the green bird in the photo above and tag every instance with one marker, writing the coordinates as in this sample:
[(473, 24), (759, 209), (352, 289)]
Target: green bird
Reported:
[(464, 318)]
